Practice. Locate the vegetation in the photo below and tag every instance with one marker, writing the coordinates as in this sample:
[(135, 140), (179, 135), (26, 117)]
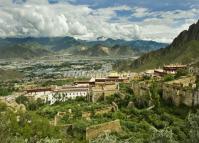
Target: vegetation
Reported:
[(184, 49), (23, 51), (10, 75), (144, 119), (169, 55), (122, 65), (25, 127), (7, 89), (169, 77), (181, 72)]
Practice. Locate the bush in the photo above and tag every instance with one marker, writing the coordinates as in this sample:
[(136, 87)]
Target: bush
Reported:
[(141, 102), (155, 95), (22, 100), (5, 91), (193, 127), (25, 126), (163, 136), (181, 72), (3, 107), (169, 77), (30, 104), (119, 115), (156, 121)]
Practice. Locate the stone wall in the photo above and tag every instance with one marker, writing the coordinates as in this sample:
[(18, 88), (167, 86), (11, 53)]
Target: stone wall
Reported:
[(181, 91), (97, 130), (140, 88), (196, 98), (104, 110), (183, 82), (179, 95), (101, 91)]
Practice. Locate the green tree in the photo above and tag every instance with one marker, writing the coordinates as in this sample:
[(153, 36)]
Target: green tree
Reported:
[(193, 127), (154, 90), (22, 100), (6, 91), (181, 72), (163, 136), (141, 101), (169, 77)]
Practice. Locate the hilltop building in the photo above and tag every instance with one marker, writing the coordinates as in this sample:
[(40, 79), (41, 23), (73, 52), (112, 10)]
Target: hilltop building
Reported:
[(169, 69), (62, 94), (92, 90)]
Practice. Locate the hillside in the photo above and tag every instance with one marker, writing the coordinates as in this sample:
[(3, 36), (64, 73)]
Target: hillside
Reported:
[(33, 47), (184, 49), (101, 50), (25, 51), (142, 45)]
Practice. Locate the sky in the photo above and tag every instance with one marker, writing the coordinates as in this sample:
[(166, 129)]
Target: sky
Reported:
[(157, 20)]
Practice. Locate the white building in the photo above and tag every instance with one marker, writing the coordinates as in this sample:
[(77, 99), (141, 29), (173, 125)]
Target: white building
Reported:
[(63, 95), (59, 94)]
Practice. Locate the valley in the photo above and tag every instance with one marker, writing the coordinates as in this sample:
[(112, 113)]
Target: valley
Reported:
[(62, 81), (29, 48)]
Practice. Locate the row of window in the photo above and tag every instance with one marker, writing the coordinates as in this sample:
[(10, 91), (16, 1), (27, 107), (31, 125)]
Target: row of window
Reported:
[(73, 94)]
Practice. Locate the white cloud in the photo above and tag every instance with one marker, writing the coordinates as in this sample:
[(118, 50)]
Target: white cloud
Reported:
[(140, 12), (39, 18)]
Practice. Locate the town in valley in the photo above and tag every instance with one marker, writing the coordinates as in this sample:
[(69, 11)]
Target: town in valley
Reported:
[(99, 71)]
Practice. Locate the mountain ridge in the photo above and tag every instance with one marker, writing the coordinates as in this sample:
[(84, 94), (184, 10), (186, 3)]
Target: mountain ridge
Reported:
[(71, 45), (184, 49)]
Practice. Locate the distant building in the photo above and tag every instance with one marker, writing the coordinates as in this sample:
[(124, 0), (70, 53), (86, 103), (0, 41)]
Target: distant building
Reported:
[(169, 69), (149, 73), (159, 72), (173, 68), (62, 94), (106, 80), (91, 90)]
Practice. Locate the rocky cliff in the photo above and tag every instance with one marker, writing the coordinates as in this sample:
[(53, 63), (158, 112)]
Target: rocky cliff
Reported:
[(184, 49)]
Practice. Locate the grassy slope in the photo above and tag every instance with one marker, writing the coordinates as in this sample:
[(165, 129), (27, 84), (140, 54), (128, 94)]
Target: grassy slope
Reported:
[(189, 52), (23, 51)]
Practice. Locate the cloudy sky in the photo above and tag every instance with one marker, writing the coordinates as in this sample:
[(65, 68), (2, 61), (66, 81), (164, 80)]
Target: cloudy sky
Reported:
[(158, 20)]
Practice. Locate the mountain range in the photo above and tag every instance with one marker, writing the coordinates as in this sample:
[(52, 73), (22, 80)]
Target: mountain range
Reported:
[(31, 47), (184, 49)]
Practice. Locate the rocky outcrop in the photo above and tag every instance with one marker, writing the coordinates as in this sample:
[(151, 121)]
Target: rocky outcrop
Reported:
[(141, 88), (187, 35), (183, 49), (179, 95)]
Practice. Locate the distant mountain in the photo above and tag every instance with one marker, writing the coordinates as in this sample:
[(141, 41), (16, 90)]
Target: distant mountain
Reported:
[(101, 50), (184, 49), (141, 45), (24, 51), (55, 43), (33, 47)]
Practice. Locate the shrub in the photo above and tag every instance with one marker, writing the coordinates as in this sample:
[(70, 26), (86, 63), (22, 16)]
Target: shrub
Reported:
[(193, 127), (169, 77), (22, 100), (141, 102), (181, 72), (163, 136), (119, 115), (5, 91)]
